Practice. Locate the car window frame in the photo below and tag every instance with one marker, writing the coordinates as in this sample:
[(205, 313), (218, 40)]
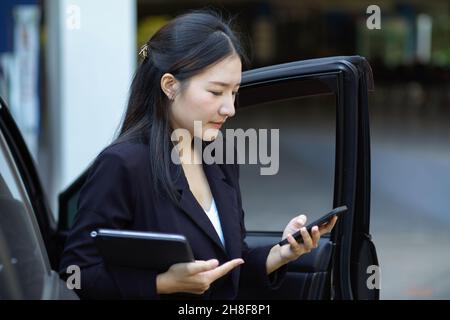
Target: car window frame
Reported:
[(30, 216), (26, 200), (27, 170)]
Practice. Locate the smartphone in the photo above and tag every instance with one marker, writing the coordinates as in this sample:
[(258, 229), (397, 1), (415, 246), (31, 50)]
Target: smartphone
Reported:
[(324, 219)]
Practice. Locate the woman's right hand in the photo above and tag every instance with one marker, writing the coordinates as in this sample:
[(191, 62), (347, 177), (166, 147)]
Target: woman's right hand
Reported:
[(193, 277)]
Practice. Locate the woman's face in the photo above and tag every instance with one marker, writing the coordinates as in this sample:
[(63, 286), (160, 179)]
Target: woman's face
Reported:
[(208, 97)]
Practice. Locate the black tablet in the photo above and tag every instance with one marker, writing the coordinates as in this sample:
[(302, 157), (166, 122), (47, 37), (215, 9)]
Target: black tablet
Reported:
[(142, 250)]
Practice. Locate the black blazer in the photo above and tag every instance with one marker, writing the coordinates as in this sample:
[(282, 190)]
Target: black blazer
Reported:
[(118, 194)]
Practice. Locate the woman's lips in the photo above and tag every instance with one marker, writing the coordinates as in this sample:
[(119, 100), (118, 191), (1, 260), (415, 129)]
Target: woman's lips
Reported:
[(217, 124)]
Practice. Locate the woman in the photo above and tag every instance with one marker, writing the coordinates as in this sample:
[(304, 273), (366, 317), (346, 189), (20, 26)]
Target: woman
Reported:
[(191, 71)]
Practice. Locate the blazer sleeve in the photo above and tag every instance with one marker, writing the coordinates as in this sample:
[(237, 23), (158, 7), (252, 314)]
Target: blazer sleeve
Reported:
[(106, 201), (253, 272)]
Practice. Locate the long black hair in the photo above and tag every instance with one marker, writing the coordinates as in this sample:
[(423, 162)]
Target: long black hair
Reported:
[(184, 47)]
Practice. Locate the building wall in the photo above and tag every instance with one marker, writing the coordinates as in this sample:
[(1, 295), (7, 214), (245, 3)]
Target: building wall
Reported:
[(91, 57)]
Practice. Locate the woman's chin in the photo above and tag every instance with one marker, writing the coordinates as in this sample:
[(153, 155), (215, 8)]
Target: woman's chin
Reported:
[(209, 138), (210, 134)]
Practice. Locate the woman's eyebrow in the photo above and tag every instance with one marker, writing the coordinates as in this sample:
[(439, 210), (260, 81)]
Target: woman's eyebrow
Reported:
[(224, 84)]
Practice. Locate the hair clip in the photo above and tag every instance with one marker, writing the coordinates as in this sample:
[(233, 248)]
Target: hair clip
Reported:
[(144, 51)]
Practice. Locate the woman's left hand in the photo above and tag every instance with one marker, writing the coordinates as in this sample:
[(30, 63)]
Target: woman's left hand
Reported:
[(293, 249)]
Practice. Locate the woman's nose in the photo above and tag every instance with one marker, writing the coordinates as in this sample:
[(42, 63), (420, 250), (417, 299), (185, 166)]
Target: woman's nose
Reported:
[(227, 108)]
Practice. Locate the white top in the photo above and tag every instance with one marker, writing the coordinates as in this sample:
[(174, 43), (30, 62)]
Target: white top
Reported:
[(213, 215)]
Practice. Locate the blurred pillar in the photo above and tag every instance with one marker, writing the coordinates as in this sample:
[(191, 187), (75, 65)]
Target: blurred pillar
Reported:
[(91, 57), (19, 56), (424, 35)]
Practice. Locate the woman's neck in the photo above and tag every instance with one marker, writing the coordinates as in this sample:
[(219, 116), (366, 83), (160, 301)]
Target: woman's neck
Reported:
[(190, 151)]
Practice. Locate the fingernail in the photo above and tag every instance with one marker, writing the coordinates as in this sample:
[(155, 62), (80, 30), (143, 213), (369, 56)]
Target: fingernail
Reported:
[(214, 261)]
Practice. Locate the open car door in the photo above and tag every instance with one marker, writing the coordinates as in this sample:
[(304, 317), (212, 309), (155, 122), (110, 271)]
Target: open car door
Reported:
[(28, 233), (320, 107)]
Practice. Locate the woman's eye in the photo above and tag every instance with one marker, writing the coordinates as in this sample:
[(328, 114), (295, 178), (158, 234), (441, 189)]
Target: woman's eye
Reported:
[(217, 93)]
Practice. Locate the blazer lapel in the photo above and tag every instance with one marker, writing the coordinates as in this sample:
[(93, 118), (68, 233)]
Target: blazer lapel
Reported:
[(191, 207), (226, 201)]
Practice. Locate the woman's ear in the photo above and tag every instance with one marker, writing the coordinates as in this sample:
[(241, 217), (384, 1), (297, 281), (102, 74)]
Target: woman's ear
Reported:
[(169, 85)]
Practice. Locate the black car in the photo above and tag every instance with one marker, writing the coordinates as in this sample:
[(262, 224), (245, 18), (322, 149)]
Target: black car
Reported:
[(31, 241)]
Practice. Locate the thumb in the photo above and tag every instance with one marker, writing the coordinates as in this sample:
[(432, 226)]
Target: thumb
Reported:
[(200, 266), (300, 221)]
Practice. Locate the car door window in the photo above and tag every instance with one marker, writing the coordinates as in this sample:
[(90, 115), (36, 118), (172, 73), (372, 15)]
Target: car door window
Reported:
[(23, 261), (304, 182)]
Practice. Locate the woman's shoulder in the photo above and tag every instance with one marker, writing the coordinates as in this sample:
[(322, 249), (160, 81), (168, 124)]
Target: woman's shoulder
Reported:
[(125, 148), (131, 154)]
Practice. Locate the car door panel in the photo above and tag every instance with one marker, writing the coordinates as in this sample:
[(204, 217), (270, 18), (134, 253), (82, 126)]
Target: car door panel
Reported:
[(26, 225), (27, 168), (306, 277)]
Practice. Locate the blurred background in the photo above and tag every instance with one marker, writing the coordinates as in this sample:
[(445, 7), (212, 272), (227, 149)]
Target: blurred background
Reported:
[(66, 66)]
